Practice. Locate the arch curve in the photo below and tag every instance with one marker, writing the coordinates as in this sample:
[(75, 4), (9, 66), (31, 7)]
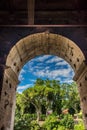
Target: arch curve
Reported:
[(26, 49), (44, 43)]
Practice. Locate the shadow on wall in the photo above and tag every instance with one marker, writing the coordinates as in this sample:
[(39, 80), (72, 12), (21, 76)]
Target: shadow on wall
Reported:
[(2, 128)]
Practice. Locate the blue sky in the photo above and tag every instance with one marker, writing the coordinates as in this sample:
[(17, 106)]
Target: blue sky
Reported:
[(45, 66)]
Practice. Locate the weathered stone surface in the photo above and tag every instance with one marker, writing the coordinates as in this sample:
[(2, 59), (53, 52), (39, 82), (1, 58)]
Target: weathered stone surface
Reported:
[(26, 49)]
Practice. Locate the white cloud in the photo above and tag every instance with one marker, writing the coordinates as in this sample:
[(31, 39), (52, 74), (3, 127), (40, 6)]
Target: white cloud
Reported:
[(20, 92), (24, 87), (21, 77), (37, 63), (32, 80), (22, 71), (30, 63), (68, 80), (47, 68), (37, 67), (54, 73), (41, 67), (65, 80), (62, 62), (54, 59), (42, 61), (30, 66), (42, 58)]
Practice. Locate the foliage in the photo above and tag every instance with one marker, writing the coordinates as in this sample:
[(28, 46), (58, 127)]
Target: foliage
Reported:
[(28, 121), (67, 121), (22, 124), (80, 114), (51, 123), (34, 125), (35, 102), (44, 93), (57, 98), (42, 117), (79, 126), (71, 98)]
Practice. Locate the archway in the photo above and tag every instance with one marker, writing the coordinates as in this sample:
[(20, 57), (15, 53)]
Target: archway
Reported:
[(34, 45)]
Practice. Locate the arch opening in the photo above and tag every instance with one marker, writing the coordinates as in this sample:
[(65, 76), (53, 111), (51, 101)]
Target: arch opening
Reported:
[(44, 67), (26, 49)]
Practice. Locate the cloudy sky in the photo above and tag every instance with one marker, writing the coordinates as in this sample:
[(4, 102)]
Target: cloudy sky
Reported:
[(45, 66)]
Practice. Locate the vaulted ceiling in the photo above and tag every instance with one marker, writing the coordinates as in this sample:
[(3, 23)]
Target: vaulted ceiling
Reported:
[(43, 12)]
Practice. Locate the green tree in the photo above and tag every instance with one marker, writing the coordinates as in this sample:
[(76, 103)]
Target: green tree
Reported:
[(45, 95), (38, 95), (71, 98), (57, 98)]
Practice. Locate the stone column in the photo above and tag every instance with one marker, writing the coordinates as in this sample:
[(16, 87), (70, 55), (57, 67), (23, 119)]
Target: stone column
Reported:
[(2, 112), (13, 112), (8, 98), (81, 79)]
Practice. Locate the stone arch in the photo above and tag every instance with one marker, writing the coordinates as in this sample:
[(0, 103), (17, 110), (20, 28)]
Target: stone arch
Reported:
[(34, 45)]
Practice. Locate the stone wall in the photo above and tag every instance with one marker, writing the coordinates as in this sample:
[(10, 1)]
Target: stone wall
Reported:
[(26, 49)]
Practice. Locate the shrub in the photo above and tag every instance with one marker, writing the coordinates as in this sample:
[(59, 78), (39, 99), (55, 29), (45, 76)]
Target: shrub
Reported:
[(80, 114), (67, 121), (24, 122), (79, 126), (51, 123), (34, 125), (42, 117), (61, 127), (21, 124)]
